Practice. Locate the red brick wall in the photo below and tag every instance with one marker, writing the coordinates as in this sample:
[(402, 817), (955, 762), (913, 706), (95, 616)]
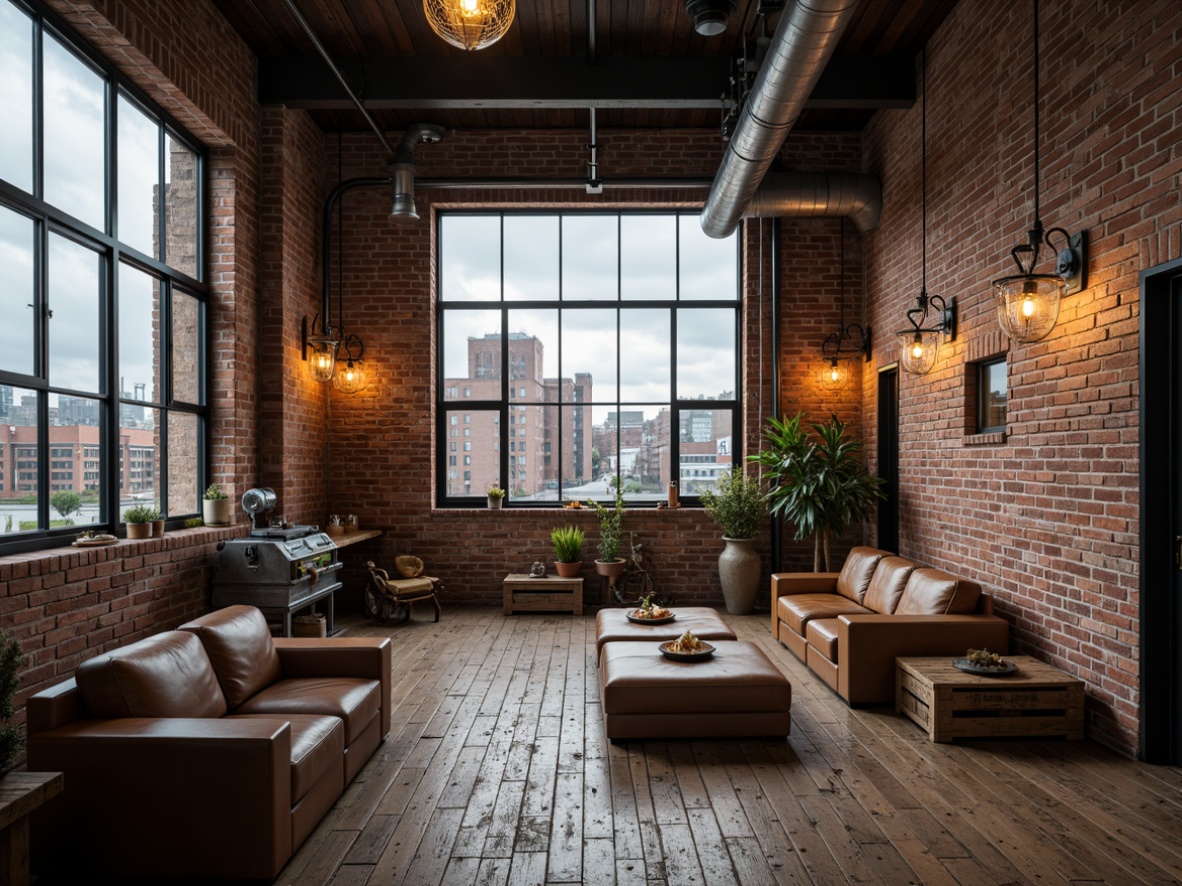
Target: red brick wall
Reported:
[(1046, 520)]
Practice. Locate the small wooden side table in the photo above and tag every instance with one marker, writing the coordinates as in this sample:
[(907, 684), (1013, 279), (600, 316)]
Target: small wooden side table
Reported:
[(550, 594), (20, 794), (1037, 701)]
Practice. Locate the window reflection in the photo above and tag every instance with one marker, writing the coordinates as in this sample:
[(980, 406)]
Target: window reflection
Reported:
[(16, 97), (73, 125), (74, 294)]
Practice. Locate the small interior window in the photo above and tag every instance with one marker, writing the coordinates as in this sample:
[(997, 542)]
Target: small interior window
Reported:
[(991, 396)]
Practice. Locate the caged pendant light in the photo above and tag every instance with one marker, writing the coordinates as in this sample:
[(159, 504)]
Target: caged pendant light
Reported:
[(1028, 303), (839, 347), (469, 24), (919, 344)]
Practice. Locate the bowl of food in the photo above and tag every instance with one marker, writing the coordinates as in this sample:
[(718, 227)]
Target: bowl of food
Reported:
[(687, 647), (984, 663), (650, 615)]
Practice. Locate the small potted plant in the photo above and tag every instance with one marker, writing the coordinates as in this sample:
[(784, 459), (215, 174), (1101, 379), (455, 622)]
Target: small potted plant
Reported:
[(738, 505), (610, 563), (568, 549), (157, 523), (495, 496), (215, 509), (139, 521), (12, 659)]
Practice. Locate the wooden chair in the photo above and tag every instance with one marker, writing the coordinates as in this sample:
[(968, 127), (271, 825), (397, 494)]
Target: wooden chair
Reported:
[(389, 600)]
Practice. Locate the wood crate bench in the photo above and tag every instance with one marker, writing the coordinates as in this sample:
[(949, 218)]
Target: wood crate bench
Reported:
[(550, 594), (1037, 701)]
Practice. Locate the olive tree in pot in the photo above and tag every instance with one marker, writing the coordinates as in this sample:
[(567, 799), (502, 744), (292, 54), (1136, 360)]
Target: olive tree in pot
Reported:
[(739, 506), (822, 486), (610, 563), (568, 550)]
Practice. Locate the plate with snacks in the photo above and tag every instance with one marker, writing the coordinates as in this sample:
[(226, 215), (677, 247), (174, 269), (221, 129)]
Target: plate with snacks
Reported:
[(687, 647), (654, 615), (985, 664), (95, 539)]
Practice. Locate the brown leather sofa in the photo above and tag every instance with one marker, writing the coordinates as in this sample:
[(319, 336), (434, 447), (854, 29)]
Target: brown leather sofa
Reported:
[(849, 627), (207, 752)]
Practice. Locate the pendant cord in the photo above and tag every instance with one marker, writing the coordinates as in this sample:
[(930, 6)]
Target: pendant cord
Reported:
[(923, 129), (841, 291), (1036, 213)]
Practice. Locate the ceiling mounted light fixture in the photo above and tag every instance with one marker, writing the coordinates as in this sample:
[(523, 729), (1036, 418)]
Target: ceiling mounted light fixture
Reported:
[(470, 24), (1028, 303), (920, 343), (840, 347), (710, 16)]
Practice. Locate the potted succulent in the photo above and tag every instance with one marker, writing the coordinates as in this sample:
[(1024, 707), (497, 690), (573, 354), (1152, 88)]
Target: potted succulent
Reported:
[(568, 549), (12, 659), (610, 563), (739, 506), (139, 521), (215, 508), (496, 495)]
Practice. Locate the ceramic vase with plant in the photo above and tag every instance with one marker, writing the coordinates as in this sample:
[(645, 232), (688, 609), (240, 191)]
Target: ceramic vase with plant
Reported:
[(12, 660), (568, 550), (215, 508), (496, 495), (610, 563), (139, 521), (738, 505)]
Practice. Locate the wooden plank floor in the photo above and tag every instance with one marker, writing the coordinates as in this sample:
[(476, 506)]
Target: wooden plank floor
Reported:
[(496, 771)]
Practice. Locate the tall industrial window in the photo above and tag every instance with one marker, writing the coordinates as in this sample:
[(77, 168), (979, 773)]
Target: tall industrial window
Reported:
[(102, 366), (589, 346)]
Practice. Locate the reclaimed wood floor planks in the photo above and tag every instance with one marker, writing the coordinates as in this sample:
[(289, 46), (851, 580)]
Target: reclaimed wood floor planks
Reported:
[(496, 772)]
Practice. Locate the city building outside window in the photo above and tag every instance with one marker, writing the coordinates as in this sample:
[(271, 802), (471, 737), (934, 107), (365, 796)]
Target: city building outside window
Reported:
[(609, 341), (103, 291)]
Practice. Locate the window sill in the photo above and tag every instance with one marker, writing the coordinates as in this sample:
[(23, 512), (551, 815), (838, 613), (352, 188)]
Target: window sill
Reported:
[(44, 560), (990, 438)]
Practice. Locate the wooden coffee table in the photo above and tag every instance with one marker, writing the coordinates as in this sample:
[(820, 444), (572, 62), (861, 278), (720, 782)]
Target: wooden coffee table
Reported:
[(1037, 701)]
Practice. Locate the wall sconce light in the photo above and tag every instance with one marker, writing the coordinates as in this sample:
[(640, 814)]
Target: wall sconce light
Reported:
[(1028, 303), (839, 347), (920, 344), (350, 378), (323, 346), (470, 24)]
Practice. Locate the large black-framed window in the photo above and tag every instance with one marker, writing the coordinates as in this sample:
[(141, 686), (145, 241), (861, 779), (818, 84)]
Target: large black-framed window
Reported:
[(578, 347), (103, 394)]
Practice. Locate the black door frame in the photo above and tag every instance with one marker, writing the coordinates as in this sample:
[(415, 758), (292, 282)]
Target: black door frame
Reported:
[(1159, 650)]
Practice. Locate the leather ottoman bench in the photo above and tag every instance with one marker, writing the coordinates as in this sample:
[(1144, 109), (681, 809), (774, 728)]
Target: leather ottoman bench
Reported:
[(736, 693), (612, 626)]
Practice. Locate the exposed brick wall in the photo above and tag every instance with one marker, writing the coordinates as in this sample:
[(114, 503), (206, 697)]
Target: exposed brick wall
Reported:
[(1047, 519)]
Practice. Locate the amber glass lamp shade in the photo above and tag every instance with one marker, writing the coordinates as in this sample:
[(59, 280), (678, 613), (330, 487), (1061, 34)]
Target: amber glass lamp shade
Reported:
[(350, 378), (323, 359), (835, 375), (918, 350), (1028, 305), (469, 24)]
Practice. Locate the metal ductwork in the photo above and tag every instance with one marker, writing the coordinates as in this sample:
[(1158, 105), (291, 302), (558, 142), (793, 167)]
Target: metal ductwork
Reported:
[(856, 195), (801, 46), (402, 168)]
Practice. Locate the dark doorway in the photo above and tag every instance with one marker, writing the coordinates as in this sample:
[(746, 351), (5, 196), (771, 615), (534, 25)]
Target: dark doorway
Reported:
[(888, 458), (1161, 514)]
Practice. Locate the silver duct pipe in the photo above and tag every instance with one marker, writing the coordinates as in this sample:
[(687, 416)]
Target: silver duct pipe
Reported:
[(856, 195), (801, 46), (402, 168)]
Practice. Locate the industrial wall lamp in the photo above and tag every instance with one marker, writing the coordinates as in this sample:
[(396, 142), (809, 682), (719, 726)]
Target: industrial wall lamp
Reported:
[(840, 347), (323, 344), (1028, 303)]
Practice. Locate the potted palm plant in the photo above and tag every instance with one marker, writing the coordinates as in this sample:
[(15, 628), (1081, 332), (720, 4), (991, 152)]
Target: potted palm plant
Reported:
[(610, 563), (139, 521), (738, 504), (215, 507), (568, 550), (822, 486)]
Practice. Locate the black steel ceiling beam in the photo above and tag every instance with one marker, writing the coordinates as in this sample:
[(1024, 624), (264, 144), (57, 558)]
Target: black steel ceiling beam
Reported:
[(475, 82)]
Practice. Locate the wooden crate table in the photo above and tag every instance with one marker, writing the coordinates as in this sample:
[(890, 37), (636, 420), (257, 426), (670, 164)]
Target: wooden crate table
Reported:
[(524, 594), (1037, 701), (20, 794)]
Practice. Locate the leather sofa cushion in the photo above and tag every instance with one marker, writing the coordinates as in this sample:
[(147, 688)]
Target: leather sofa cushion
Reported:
[(888, 584), (352, 699), (317, 745), (857, 571), (612, 626), (167, 675), (238, 643), (932, 592), (822, 636), (796, 610)]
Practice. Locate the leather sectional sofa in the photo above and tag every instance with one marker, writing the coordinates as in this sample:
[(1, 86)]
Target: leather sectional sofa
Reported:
[(207, 752), (850, 626)]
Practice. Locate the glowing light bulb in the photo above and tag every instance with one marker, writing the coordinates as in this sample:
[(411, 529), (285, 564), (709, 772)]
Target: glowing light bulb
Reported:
[(1029, 307), (917, 348), (834, 375), (470, 7)]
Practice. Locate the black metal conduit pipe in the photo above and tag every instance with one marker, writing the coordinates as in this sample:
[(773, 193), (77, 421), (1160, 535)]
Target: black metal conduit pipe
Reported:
[(777, 292)]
